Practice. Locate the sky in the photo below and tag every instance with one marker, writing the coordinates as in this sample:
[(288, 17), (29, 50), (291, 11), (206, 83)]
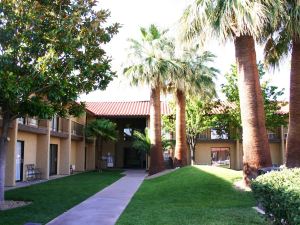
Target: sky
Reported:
[(133, 14)]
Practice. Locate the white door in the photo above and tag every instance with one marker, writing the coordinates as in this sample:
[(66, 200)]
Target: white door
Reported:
[(19, 160)]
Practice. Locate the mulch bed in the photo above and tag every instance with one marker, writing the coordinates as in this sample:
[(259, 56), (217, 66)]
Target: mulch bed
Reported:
[(9, 204)]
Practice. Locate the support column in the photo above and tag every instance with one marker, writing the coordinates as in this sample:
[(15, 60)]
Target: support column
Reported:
[(43, 146), (65, 149), (80, 156), (10, 169), (282, 145), (238, 162), (90, 156)]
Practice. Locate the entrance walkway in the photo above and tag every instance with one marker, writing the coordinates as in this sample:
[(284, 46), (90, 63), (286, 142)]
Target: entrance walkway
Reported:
[(105, 207)]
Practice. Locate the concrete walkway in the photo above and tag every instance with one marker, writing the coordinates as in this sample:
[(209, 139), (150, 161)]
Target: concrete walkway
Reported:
[(105, 207)]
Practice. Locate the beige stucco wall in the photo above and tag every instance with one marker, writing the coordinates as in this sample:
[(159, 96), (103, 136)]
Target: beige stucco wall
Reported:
[(80, 156), (81, 119), (276, 155), (30, 148), (90, 156), (203, 152), (73, 152)]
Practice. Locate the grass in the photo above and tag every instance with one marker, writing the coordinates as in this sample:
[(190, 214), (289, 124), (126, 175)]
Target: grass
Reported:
[(54, 197), (200, 196)]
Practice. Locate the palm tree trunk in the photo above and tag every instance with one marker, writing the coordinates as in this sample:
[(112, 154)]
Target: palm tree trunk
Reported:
[(293, 140), (255, 140), (3, 151), (156, 160), (181, 147)]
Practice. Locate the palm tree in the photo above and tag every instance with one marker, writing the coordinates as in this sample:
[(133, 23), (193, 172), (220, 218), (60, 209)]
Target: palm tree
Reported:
[(285, 35), (194, 77), (103, 130), (242, 22), (148, 65)]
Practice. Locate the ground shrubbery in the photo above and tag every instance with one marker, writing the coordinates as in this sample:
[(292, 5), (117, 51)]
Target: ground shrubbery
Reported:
[(279, 194)]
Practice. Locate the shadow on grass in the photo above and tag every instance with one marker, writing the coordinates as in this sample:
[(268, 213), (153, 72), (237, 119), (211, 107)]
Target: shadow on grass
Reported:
[(203, 195), (54, 197)]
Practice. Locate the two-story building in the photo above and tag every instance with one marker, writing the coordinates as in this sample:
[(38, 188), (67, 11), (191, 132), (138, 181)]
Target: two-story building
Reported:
[(58, 146), (224, 150), (52, 146)]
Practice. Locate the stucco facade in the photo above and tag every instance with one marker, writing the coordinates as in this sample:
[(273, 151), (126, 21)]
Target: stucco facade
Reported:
[(205, 146), (55, 146), (51, 146)]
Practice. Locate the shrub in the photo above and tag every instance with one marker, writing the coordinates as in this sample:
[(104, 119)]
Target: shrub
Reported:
[(278, 192)]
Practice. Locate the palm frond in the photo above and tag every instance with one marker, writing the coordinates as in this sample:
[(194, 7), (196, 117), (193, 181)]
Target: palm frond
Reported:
[(204, 19), (148, 57), (103, 128)]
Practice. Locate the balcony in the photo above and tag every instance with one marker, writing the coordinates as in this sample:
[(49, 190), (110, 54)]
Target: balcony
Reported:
[(214, 135), (77, 131), (32, 125), (59, 128), (274, 135)]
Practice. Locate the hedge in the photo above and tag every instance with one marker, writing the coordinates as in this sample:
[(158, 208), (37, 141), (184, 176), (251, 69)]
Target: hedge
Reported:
[(278, 193)]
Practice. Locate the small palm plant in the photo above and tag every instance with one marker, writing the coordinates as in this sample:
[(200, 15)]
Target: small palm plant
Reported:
[(142, 142), (103, 130)]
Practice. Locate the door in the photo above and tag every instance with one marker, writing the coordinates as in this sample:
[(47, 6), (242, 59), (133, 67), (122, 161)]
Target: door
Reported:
[(53, 159), (19, 160), (133, 159)]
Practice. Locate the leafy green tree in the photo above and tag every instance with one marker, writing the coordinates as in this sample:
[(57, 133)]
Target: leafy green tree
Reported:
[(232, 113), (198, 119), (148, 64), (103, 130), (283, 36), (242, 22), (50, 52)]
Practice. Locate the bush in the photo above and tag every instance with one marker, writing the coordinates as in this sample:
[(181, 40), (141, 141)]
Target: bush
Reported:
[(278, 193)]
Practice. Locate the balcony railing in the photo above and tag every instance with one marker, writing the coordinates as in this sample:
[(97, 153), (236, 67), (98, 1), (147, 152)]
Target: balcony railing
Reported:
[(77, 129), (213, 134), (32, 125), (59, 128), (274, 135)]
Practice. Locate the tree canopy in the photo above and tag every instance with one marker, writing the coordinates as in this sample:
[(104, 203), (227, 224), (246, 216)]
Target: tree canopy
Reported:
[(50, 52), (270, 96)]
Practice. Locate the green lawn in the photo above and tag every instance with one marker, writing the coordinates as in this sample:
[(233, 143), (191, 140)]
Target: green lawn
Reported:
[(54, 197), (202, 196)]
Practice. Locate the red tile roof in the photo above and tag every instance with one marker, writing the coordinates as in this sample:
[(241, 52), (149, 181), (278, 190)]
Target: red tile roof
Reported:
[(284, 108), (136, 108), (229, 105)]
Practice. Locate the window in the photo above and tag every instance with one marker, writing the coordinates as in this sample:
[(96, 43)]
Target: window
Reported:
[(32, 122), (220, 156), (219, 134), (272, 135), (55, 123), (128, 132), (203, 136), (21, 120)]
